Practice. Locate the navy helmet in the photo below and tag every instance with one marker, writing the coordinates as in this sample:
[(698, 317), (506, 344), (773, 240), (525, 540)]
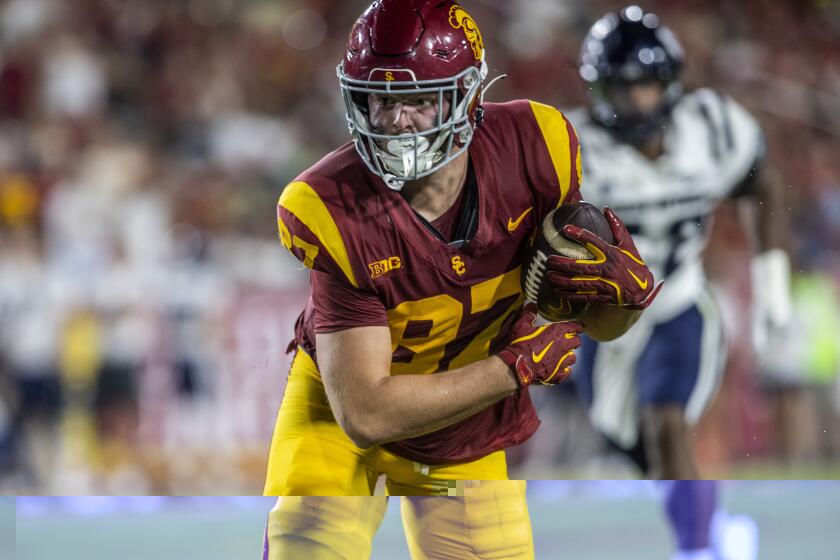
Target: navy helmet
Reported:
[(626, 48)]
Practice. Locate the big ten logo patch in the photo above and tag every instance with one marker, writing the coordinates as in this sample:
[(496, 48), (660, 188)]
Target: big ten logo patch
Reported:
[(380, 268), (458, 265)]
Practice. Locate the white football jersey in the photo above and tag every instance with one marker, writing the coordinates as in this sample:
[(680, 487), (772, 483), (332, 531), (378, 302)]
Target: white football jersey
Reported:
[(711, 146)]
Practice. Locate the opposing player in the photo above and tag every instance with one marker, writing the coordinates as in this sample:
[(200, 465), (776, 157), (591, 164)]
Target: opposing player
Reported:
[(664, 160), (414, 355)]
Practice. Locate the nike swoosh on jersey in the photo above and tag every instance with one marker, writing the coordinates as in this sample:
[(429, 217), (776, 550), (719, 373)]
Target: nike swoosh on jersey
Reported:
[(538, 357), (642, 285), (513, 224)]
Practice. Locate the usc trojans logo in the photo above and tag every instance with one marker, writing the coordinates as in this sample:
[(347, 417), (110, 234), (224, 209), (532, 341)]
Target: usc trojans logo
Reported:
[(459, 18), (458, 265)]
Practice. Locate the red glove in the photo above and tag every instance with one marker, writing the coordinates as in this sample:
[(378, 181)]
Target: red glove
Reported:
[(541, 354), (617, 275)]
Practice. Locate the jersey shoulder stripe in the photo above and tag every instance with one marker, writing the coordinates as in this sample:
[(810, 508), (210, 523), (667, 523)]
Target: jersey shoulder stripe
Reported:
[(713, 135), (723, 104), (563, 147), (304, 204), (736, 141), (732, 130)]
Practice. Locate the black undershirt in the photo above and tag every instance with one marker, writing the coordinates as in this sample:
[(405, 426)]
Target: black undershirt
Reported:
[(457, 225)]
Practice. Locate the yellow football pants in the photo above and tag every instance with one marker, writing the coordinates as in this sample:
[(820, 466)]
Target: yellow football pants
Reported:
[(312, 456), (489, 522), (322, 527)]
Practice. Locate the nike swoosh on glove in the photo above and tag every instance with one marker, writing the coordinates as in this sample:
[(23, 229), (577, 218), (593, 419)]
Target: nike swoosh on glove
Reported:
[(542, 354), (616, 274)]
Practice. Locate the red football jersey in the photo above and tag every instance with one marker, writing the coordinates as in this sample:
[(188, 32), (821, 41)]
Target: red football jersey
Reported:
[(445, 306)]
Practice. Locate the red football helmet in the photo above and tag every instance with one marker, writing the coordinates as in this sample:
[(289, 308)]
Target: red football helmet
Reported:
[(413, 47)]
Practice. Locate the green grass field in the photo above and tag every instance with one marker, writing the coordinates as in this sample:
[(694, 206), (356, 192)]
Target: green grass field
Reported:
[(796, 520)]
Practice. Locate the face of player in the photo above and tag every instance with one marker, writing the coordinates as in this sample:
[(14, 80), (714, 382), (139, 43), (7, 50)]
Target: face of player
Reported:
[(404, 113), (638, 99)]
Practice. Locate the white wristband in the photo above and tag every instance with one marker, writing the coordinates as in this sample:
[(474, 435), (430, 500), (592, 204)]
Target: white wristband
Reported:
[(771, 285)]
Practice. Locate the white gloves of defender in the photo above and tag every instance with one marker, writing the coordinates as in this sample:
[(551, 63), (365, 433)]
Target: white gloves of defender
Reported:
[(772, 307)]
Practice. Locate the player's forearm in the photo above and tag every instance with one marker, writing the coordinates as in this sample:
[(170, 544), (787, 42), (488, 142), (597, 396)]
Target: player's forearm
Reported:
[(769, 228), (768, 210), (404, 406)]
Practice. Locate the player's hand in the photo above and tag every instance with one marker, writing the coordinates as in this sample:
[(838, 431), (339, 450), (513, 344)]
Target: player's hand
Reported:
[(542, 354), (617, 275)]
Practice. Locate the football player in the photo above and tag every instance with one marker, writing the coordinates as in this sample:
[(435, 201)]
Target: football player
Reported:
[(664, 159), (414, 353)]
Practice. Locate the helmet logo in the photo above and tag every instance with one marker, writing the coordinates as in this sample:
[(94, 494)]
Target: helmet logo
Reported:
[(392, 75), (459, 18)]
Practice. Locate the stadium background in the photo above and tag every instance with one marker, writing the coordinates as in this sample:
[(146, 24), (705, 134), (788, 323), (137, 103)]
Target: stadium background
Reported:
[(146, 305), (793, 519)]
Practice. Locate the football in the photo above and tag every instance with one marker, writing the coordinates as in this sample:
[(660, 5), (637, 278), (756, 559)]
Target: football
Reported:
[(549, 240)]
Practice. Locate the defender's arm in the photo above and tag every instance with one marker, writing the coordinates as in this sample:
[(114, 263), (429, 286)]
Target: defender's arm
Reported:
[(762, 208), (763, 212)]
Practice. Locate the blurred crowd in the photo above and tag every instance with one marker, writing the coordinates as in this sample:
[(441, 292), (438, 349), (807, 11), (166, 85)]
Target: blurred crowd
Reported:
[(145, 303)]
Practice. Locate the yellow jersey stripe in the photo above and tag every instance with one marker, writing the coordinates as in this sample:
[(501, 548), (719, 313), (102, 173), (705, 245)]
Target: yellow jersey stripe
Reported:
[(556, 136), (301, 200), (485, 294)]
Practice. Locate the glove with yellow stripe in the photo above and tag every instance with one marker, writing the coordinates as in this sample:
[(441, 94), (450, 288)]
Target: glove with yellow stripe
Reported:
[(542, 354), (616, 275)]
